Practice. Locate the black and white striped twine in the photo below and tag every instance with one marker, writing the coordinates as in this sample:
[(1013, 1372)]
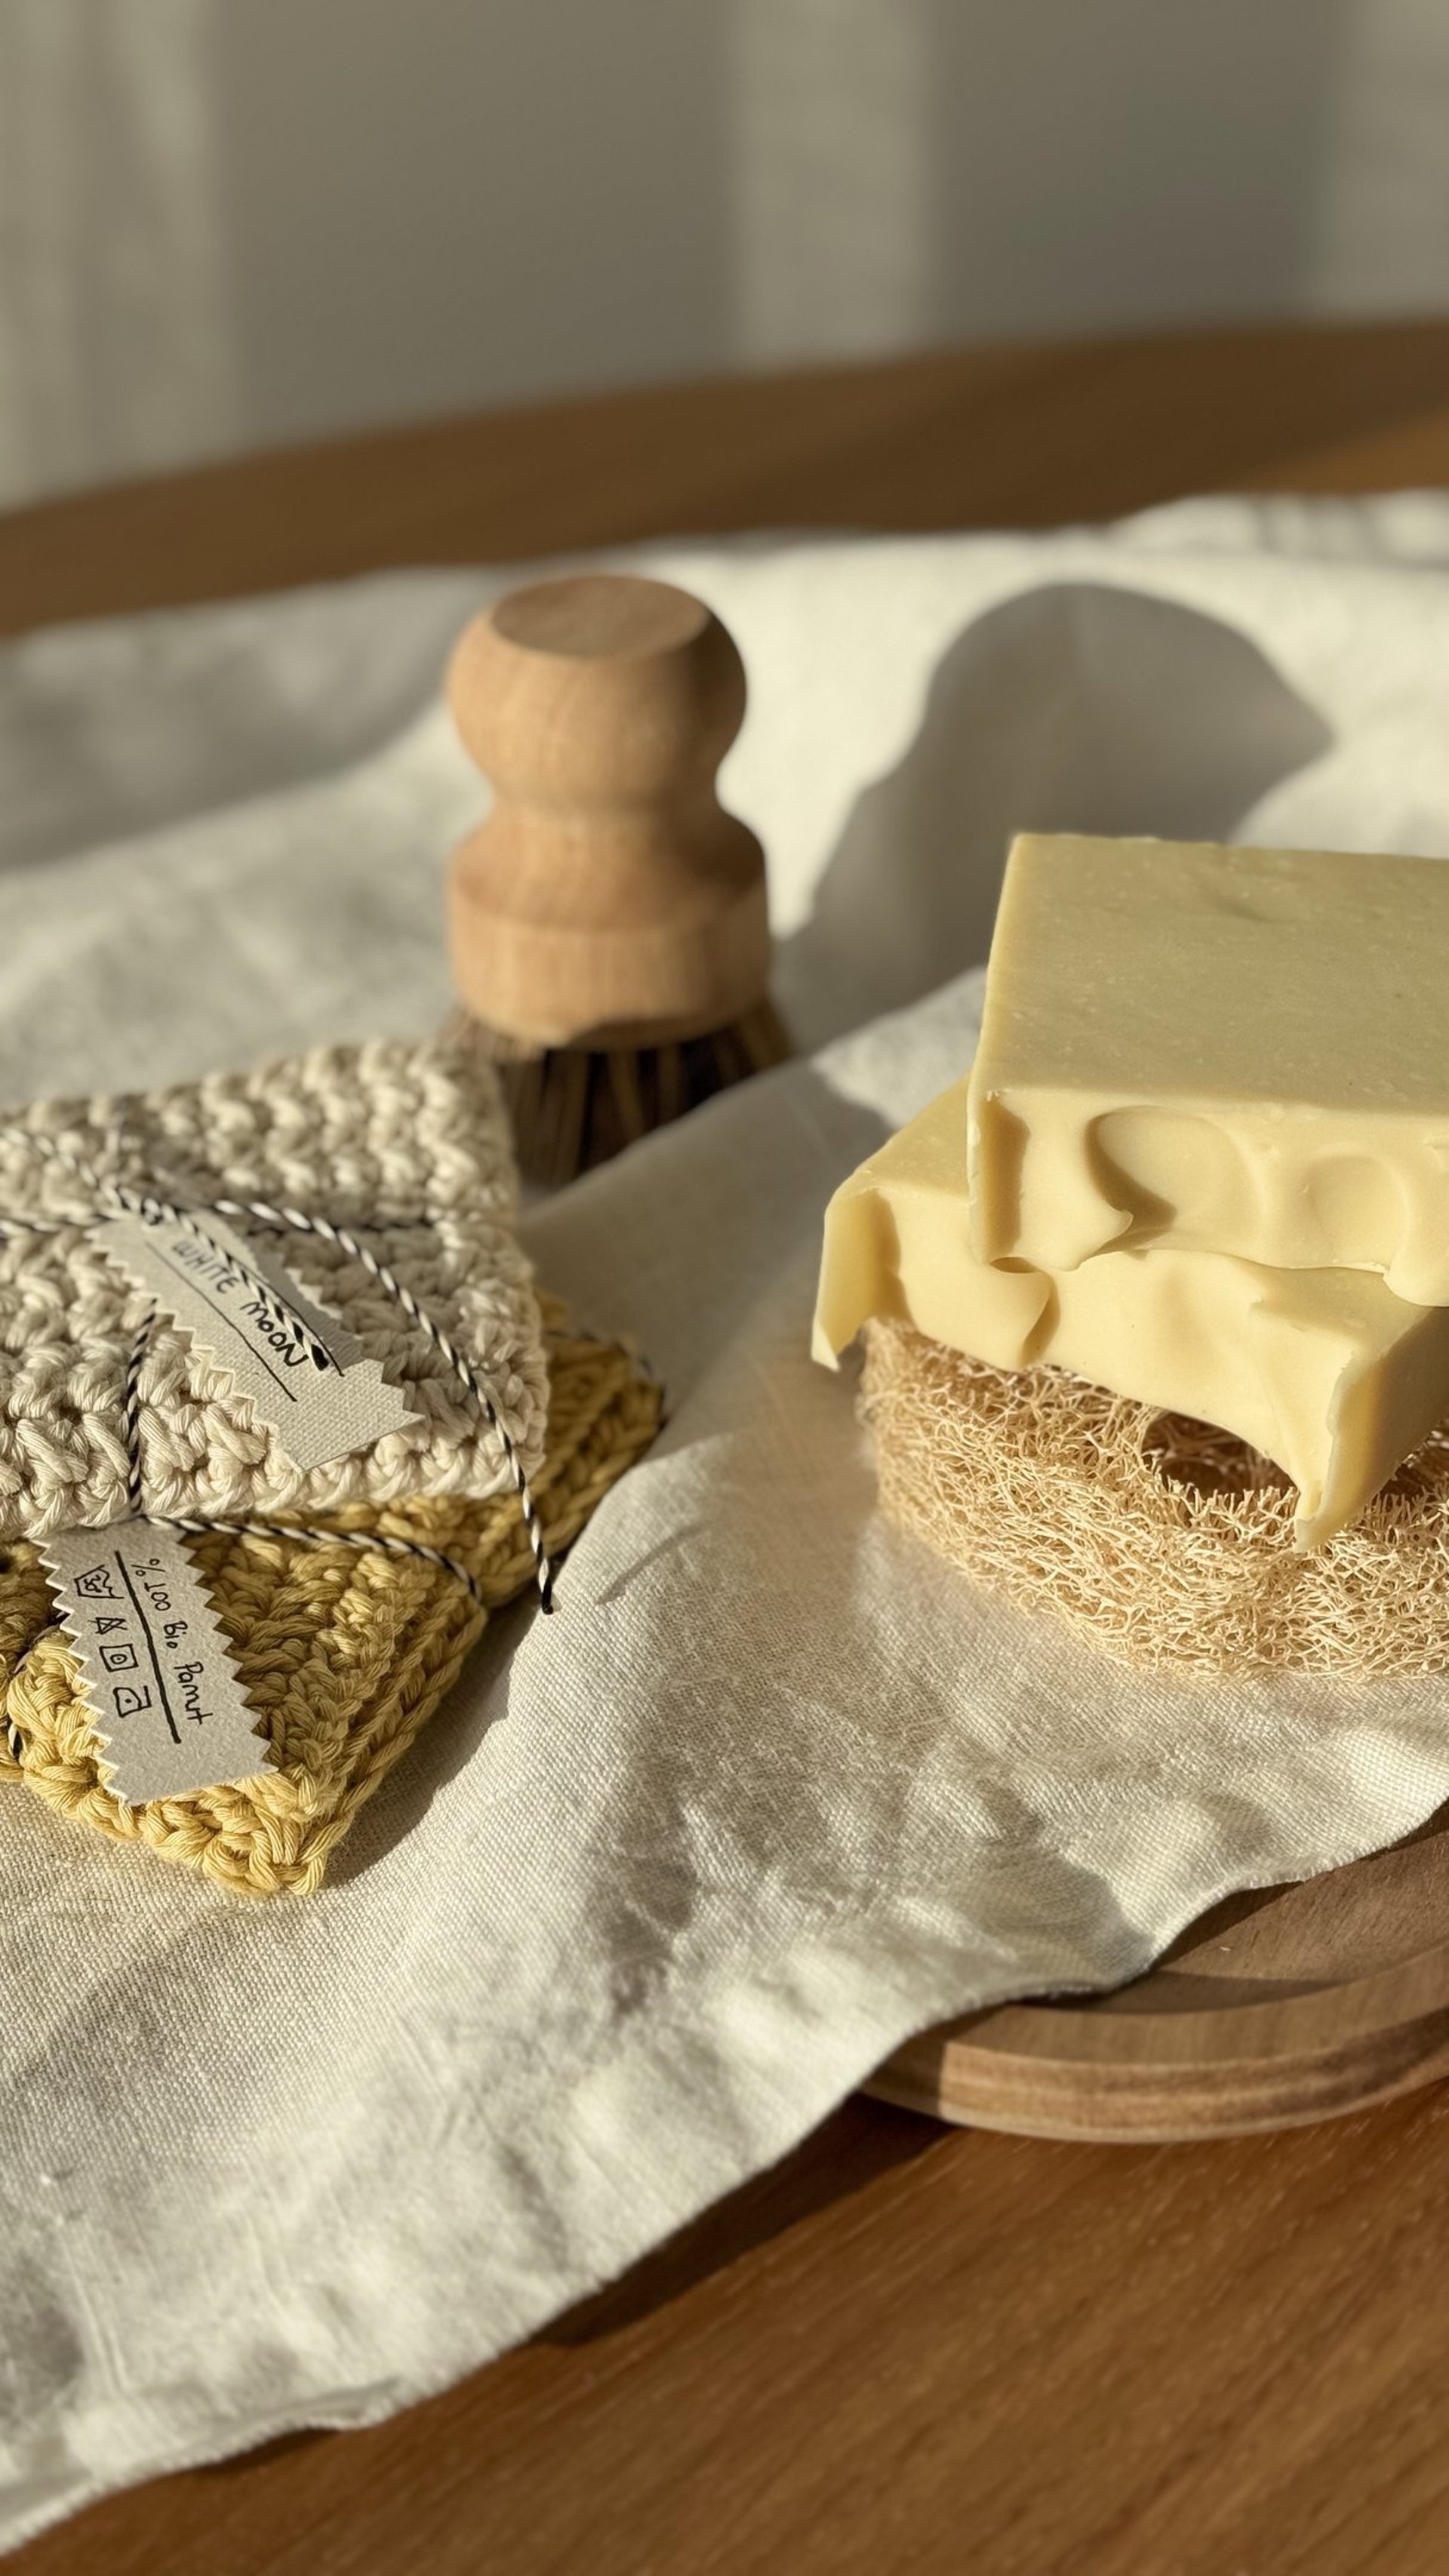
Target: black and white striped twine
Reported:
[(280, 1220)]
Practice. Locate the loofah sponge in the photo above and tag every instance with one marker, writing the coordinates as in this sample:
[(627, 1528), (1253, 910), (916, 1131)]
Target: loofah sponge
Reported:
[(407, 1145), (345, 1653), (1161, 1541)]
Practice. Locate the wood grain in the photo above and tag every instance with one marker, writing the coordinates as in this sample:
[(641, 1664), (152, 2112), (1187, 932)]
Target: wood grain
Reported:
[(969, 438), (1288, 2005), (607, 900), (988, 2354), (908, 2348)]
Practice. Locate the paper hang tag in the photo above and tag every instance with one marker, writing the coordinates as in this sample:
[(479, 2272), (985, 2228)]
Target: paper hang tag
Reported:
[(308, 1377), (156, 1670)]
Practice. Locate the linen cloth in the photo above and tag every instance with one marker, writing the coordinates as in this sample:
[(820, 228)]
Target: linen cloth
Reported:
[(672, 1872)]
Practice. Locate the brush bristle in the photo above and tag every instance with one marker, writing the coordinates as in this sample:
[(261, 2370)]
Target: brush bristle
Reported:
[(573, 1107)]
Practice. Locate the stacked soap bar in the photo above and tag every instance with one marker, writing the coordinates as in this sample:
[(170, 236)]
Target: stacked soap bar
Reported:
[(1202, 1157), (1325, 1371), (1224, 1050)]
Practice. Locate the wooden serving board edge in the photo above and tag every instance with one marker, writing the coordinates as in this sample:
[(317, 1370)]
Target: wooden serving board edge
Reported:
[(1077, 2070)]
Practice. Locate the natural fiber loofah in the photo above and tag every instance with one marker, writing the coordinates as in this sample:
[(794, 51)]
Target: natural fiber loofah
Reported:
[(408, 1145), (345, 1653), (1161, 1541)]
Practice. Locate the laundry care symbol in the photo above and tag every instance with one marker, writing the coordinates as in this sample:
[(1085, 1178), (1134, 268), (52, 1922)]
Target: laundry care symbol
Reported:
[(97, 1585)]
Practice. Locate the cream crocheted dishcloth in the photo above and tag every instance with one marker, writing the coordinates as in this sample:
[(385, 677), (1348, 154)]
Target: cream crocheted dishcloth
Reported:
[(408, 1146), (1161, 1541), (344, 1653)]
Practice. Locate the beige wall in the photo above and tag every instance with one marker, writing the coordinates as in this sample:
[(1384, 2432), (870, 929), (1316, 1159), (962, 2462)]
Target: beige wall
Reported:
[(230, 222)]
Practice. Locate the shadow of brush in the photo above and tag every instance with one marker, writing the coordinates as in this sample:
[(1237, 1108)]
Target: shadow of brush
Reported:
[(1075, 707)]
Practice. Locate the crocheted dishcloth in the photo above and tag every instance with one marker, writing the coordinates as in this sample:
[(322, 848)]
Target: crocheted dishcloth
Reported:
[(1161, 1541), (345, 1653), (375, 1138)]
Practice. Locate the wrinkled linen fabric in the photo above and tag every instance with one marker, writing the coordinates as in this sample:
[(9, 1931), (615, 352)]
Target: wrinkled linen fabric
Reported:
[(671, 1873)]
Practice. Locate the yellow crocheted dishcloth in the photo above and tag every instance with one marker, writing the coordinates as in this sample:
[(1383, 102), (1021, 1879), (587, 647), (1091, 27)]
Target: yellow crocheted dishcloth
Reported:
[(345, 1652)]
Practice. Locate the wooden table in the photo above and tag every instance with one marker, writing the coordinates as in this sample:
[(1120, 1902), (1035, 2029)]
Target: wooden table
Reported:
[(907, 2348)]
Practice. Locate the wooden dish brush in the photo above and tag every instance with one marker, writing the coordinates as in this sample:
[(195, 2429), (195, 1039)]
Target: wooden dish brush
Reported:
[(608, 920)]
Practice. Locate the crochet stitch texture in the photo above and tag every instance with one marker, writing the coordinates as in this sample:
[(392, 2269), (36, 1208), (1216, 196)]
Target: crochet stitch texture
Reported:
[(344, 1654), (407, 1146)]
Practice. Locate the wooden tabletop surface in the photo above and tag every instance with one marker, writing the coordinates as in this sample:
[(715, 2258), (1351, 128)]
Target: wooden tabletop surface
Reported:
[(907, 2348)]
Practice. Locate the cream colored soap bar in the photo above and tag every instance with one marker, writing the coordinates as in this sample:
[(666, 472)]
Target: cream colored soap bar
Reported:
[(1220, 1050), (1324, 1371)]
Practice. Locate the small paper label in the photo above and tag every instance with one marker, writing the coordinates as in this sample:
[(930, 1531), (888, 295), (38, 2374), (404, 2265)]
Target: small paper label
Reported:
[(155, 1668), (308, 1377)]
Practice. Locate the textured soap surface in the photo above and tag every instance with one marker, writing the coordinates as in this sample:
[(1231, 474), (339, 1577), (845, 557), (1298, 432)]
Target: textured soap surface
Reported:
[(1325, 1371), (1218, 1050)]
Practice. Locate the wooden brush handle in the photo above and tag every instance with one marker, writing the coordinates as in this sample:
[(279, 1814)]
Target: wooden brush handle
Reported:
[(608, 899)]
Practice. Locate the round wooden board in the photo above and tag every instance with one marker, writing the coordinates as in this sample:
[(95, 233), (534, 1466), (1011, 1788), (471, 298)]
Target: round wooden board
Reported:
[(1283, 2006)]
